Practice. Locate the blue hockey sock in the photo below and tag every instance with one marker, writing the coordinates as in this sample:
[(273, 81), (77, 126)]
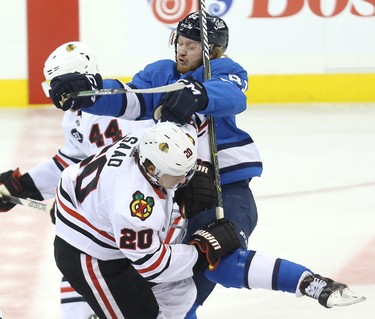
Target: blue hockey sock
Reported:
[(232, 270), (251, 269)]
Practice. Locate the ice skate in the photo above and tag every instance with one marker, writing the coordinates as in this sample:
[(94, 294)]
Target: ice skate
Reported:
[(329, 293)]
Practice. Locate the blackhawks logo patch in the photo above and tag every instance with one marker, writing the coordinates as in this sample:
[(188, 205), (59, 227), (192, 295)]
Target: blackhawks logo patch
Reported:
[(140, 206)]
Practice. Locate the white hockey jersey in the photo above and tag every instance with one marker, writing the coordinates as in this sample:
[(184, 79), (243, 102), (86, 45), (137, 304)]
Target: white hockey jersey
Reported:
[(84, 135), (107, 209)]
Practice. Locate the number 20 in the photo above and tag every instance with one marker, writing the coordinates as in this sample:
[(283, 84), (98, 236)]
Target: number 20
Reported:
[(130, 238)]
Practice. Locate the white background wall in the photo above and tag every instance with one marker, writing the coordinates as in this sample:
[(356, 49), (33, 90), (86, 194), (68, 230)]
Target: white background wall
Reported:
[(126, 35), (13, 39)]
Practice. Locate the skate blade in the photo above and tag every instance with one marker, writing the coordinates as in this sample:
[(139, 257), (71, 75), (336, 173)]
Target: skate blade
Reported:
[(345, 298)]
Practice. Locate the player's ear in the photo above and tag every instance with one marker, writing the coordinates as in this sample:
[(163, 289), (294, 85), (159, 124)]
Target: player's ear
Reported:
[(151, 169)]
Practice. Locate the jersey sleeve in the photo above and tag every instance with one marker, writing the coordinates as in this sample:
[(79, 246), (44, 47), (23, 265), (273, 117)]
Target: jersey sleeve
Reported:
[(47, 174), (131, 106), (162, 262), (109, 105), (137, 229), (225, 88)]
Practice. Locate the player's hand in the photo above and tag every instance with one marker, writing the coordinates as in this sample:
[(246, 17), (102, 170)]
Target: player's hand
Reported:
[(9, 185), (200, 193), (214, 241), (179, 106), (73, 82)]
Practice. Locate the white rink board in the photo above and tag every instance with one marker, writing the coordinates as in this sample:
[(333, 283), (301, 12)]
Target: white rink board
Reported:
[(126, 35)]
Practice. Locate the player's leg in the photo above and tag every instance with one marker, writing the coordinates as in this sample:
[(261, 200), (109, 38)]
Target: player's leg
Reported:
[(73, 305), (175, 298), (113, 289), (240, 208), (251, 269)]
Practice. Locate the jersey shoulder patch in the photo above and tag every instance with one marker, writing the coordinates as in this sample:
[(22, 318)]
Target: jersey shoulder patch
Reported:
[(140, 206)]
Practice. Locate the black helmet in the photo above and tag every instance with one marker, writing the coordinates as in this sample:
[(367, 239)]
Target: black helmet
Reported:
[(218, 32)]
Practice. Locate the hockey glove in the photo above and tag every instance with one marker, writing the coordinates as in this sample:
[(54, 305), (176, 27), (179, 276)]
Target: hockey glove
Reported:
[(179, 106), (214, 241), (12, 183), (200, 193), (52, 213), (73, 82), (9, 185)]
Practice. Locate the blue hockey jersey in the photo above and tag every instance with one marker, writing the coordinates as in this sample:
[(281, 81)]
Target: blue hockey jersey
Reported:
[(238, 155)]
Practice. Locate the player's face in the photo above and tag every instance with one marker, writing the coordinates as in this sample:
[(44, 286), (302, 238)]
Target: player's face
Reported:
[(169, 182), (189, 54)]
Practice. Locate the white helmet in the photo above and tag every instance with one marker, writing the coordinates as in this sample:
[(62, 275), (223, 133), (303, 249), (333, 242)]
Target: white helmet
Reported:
[(71, 57), (170, 149)]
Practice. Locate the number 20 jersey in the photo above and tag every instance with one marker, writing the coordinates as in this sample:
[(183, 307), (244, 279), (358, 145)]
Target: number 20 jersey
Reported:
[(108, 209)]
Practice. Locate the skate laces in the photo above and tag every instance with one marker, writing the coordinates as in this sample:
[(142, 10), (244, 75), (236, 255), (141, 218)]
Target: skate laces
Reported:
[(315, 288)]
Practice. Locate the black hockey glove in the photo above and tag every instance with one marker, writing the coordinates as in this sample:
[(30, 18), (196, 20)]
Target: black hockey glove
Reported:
[(179, 106), (73, 82), (12, 183), (200, 193), (9, 185), (52, 213), (214, 241)]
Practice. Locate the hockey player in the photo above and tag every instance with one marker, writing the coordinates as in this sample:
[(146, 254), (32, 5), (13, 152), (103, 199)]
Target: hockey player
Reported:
[(243, 262), (115, 207), (84, 134), (114, 210), (221, 97)]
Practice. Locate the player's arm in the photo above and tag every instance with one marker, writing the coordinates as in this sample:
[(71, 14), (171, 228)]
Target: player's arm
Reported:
[(200, 193), (158, 262), (129, 106), (38, 183), (226, 88), (13, 183), (222, 95)]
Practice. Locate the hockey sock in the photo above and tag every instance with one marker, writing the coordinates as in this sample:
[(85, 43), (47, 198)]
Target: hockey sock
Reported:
[(251, 269)]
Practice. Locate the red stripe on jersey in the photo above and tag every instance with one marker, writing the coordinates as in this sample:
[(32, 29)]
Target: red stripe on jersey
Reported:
[(61, 161), (158, 191), (156, 264), (66, 289), (172, 230), (96, 283), (78, 216), (203, 126)]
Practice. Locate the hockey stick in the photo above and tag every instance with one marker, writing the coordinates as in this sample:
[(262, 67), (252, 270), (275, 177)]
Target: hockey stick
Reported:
[(159, 89), (28, 202), (211, 123)]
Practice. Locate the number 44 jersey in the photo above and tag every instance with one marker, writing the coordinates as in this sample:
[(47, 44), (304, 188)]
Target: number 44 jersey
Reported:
[(84, 135)]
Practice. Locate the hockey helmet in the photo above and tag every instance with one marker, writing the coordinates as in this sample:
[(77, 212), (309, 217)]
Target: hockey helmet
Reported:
[(70, 57), (170, 150), (217, 30)]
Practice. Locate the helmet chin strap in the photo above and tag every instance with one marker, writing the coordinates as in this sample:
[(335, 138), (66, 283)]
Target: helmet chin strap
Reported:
[(154, 179)]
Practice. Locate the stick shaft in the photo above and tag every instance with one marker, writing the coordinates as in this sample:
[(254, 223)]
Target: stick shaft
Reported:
[(211, 123), (29, 203), (159, 89)]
